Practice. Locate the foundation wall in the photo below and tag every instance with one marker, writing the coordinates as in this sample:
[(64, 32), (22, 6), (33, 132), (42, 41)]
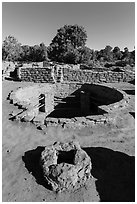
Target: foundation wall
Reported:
[(53, 75), (37, 75), (85, 76)]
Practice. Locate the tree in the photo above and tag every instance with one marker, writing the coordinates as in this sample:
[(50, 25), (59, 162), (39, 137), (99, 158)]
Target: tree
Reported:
[(132, 56), (71, 57), (117, 55), (105, 54), (126, 55), (11, 49), (44, 52), (36, 53), (69, 37), (85, 55), (116, 49), (26, 53)]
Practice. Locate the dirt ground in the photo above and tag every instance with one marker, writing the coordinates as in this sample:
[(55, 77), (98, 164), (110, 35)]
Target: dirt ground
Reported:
[(111, 148)]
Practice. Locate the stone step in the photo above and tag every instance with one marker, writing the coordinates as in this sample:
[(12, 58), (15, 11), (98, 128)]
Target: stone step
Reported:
[(15, 112), (28, 118)]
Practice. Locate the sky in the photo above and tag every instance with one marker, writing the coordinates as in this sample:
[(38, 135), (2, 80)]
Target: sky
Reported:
[(106, 23)]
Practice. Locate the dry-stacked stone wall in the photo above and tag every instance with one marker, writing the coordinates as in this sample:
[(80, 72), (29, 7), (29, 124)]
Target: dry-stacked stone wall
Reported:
[(89, 76), (57, 73), (38, 75)]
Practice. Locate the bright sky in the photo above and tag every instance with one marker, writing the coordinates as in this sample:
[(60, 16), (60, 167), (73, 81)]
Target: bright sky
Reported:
[(106, 23)]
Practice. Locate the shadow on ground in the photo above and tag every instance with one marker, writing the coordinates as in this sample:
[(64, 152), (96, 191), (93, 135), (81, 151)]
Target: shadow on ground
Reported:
[(72, 111), (12, 79), (133, 114), (85, 101), (130, 92), (114, 171), (115, 174), (31, 159)]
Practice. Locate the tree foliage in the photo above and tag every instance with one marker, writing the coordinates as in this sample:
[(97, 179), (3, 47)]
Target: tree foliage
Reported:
[(11, 49), (68, 46), (105, 54), (85, 55), (67, 40), (36, 53), (117, 54)]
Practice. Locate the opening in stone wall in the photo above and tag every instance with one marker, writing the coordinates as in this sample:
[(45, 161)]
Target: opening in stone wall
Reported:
[(66, 157), (42, 103)]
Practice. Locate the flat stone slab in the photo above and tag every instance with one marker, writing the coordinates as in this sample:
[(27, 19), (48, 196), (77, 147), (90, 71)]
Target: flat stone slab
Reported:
[(65, 166)]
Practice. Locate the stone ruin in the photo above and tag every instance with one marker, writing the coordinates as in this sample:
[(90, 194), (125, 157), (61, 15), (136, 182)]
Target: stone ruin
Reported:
[(67, 105), (51, 72), (34, 102), (65, 166)]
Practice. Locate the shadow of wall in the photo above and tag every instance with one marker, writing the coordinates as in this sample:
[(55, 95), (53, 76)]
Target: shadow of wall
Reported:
[(71, 106)]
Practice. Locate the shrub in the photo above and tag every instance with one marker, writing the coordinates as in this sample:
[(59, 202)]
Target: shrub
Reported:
[(121, 63)]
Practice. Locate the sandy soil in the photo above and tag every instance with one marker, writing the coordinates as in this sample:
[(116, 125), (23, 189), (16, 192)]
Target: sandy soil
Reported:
[(111, 148)]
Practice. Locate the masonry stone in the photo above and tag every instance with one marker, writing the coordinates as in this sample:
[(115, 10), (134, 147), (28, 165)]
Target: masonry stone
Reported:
[(66, 73), (65, 166)]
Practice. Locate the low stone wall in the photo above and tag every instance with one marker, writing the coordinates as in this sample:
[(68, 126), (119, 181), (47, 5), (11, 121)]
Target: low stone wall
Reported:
[(63, 90), (37, 75), (87, 76), (57, 74)]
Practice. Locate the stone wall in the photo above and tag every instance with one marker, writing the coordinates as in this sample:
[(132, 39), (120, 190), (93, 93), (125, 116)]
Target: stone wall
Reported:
[(33, 101), (38, 75), (87, 76), (56, 74), (63, 90)]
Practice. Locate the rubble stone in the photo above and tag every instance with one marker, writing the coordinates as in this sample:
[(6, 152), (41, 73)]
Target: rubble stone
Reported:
[(65, 166)]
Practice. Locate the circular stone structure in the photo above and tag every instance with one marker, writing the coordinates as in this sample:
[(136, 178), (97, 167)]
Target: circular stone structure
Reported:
[(105, 102), (65, 166), (69, 105), (36, 101), (28, 96)]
